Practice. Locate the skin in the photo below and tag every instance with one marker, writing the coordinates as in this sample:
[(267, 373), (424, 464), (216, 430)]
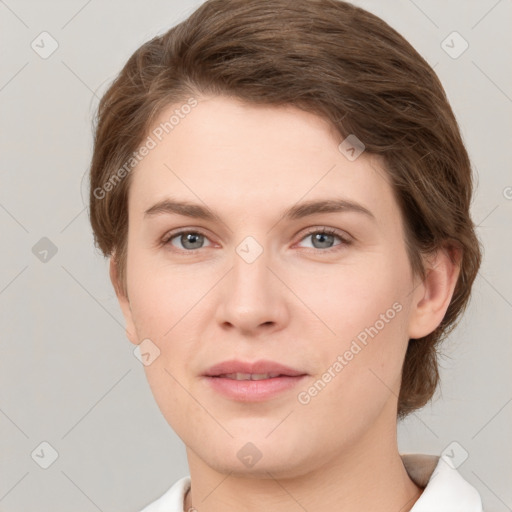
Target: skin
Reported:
[(297, 304)]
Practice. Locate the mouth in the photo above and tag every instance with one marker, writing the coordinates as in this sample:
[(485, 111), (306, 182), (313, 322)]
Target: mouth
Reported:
[(249, 376), (252, 382)]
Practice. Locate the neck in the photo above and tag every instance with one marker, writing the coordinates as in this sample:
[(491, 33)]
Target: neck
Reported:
[(367, 475)]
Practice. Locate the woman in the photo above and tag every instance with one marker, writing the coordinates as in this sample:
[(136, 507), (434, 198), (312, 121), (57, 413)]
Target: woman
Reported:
[(283, 193)]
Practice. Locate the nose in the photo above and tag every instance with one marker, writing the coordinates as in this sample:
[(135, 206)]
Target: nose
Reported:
[(253, 299)]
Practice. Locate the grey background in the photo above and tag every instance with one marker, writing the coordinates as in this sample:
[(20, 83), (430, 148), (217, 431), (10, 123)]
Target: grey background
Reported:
[(68, 375)]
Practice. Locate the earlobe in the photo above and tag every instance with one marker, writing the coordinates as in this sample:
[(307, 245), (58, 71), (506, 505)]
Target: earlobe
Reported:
[(432, 296), (124, 303)]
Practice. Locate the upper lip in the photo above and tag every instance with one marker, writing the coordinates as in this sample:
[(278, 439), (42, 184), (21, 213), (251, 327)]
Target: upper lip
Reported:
[(255, 367)]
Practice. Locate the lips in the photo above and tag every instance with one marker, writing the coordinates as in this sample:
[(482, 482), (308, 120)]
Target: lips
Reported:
[(257, 369), (250, 376), (252, 381)]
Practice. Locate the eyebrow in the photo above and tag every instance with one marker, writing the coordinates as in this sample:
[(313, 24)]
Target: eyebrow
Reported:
[(298, 211)]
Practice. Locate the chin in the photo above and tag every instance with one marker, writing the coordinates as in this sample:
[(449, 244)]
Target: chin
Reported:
[(256, 458)]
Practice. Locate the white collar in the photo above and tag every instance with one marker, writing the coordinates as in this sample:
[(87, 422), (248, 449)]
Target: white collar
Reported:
[(445, 490)]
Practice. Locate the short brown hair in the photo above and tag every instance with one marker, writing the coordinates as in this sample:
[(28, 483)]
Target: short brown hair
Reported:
[(329, 58)]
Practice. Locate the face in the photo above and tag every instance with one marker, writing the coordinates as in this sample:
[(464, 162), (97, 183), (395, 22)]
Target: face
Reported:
[(327, 292)]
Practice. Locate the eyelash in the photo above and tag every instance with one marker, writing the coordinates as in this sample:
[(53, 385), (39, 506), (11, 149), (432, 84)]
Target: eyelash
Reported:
[(324, 231)]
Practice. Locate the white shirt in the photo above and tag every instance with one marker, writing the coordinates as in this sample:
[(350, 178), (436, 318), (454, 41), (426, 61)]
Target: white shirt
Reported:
[(444, 489)]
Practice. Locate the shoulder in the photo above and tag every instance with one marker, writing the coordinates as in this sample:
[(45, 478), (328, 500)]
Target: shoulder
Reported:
[(172, 499), (444, 488)]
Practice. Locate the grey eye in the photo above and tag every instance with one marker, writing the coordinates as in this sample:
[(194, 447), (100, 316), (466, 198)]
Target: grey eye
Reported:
[(189, 240), (322, 239)]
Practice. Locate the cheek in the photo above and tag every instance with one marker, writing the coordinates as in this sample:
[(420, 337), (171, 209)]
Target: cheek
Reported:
[(350, 299), (161, 295), (359, 376), (367, 310), (159, 309)]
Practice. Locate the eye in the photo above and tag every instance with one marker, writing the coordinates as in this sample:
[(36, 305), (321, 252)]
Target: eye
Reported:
[(323, 239), (189, 240)]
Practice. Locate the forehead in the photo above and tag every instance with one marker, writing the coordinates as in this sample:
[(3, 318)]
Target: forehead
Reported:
[(238, 157)]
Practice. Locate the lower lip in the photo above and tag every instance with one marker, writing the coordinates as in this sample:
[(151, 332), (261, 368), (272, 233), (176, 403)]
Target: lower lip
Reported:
[(253, 390)]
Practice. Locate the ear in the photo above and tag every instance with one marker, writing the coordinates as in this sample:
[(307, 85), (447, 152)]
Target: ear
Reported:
[(432, 296), (124, 302)]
